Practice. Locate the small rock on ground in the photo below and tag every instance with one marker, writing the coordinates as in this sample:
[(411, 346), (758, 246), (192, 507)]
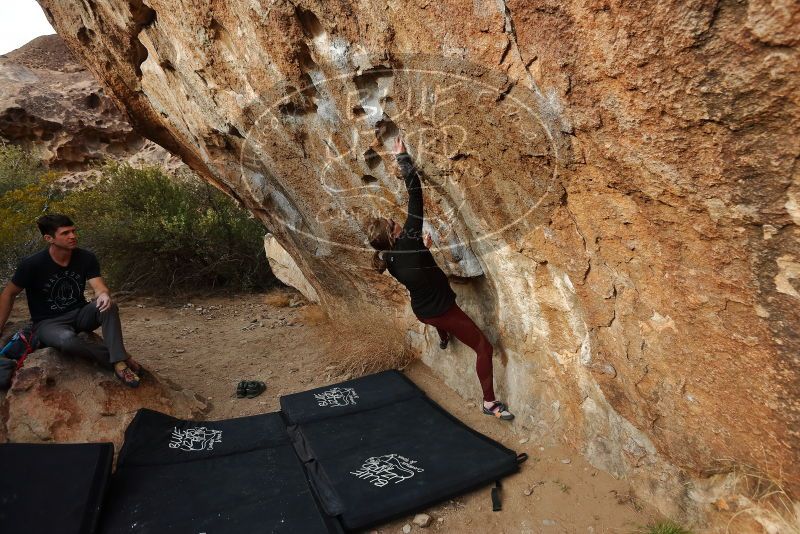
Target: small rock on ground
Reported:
[(406, 528), (422, 520)]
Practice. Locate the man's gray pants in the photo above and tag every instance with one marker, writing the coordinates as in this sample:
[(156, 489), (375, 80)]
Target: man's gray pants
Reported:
[(61, 333)]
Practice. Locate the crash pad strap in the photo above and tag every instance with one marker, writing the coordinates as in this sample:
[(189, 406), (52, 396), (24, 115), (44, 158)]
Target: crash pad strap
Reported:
[(496, 504)]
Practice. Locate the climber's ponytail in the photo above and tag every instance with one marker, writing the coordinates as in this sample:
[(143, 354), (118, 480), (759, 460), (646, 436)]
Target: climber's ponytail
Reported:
[(380, 237)]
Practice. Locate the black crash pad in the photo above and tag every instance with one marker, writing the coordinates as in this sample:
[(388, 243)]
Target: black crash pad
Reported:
[(351, 396), (237, 475), (371, 460), (53, 488), (344, 456)]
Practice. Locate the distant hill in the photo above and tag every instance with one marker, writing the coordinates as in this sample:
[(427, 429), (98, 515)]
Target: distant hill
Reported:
[(46, 52), (50, 104)]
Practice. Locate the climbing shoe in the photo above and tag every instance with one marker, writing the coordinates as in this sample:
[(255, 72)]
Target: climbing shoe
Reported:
[(499, 410)]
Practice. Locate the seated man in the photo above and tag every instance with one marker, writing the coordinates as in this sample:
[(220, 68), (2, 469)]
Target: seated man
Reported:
[(54, 281)]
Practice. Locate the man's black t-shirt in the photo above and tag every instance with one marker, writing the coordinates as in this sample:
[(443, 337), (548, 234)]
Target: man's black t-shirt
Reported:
[(52, 289)]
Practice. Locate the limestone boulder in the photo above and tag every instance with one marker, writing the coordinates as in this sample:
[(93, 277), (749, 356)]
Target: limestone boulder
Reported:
[(285, 268), (58, 399), (614, 186)]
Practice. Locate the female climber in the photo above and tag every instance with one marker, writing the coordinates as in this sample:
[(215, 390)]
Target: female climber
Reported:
[(403, 250)]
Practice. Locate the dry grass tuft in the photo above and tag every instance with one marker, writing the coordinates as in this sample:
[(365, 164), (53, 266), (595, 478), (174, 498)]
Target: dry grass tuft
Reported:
[(764, 498), (366, 344), (279, 298), (663, 527), (312, 315)]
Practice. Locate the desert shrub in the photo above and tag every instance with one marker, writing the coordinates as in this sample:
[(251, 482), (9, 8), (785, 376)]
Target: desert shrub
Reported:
[(152, 232), (155, 232), (18, 168), (19, 209)]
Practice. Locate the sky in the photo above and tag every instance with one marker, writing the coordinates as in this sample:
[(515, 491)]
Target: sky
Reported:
[(20, 22)]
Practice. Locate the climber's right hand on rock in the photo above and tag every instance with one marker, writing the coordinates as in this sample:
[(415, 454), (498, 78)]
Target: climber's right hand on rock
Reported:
[(399, 146)]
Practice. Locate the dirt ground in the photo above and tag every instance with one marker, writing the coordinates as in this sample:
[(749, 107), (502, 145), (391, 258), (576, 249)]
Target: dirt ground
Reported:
[(209, 344)]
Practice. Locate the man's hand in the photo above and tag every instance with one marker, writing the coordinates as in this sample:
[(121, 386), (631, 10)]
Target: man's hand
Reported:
[(103, 302), (427, 240)]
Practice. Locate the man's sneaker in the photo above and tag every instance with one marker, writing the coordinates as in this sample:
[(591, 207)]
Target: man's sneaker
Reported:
[(499, 410)]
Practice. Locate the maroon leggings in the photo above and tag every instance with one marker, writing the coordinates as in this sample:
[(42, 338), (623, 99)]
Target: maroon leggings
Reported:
[(454, 321)]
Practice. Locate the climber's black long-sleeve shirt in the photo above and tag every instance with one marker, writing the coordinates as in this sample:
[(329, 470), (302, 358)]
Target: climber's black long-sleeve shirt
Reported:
[(410, 262)]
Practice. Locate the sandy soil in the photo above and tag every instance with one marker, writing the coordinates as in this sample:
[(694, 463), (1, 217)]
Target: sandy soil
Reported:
[(209, 344)]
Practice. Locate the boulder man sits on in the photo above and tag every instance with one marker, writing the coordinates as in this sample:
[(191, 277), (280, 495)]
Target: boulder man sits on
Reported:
[(54, 281)]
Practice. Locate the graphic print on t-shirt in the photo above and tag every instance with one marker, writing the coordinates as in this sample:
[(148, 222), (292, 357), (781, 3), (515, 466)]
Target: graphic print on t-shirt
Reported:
[(63, 290)]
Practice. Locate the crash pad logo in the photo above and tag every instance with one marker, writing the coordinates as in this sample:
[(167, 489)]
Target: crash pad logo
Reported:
[(195, 439), (337, 397), (381, 470)]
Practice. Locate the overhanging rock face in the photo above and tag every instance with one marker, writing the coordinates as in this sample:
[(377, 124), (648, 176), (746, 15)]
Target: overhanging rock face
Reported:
[(617, 186)]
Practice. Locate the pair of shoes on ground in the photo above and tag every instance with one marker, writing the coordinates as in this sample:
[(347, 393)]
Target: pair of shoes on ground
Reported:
[(129, 375), (499, 410), (250, 389)]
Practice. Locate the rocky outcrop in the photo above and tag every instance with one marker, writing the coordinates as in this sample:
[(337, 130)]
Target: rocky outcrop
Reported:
[(286, 269), (59, 399), (616, 185), (51, 105)]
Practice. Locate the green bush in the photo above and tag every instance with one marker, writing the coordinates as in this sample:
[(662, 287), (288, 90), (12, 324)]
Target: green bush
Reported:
[(26, 192), (18, 168), (156, 232), (151, 232), (19, 208)]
